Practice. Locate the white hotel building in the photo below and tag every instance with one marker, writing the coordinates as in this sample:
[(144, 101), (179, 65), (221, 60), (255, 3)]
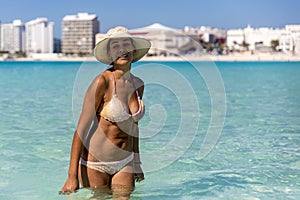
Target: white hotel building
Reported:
[(39, 36), (165, 41), (288, 38), (12, 37), (261, 35)]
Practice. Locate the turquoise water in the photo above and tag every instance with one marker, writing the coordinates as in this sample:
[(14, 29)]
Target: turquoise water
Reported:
[(256, 156)]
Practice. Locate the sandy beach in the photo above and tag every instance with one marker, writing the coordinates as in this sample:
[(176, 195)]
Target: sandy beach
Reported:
[(230, 58)]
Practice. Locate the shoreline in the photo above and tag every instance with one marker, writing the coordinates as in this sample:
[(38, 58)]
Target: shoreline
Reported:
[(237, 57), (230, 58)]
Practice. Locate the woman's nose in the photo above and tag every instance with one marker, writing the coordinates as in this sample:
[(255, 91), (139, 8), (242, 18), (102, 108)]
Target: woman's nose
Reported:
[(122, 50)]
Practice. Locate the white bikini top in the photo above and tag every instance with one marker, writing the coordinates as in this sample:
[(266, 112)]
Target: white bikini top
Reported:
[(114, 110)]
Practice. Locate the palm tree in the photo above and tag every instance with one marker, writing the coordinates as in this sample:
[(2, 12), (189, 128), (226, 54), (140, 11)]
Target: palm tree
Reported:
[(245, 45), (274, 44)]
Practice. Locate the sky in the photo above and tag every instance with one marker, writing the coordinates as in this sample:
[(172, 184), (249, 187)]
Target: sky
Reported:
[(224, 14)]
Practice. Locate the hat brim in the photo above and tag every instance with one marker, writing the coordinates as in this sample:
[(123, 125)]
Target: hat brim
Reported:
[(142, 46)]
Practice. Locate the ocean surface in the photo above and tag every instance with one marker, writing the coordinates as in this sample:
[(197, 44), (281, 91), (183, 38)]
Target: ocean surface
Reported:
[(224, 130)]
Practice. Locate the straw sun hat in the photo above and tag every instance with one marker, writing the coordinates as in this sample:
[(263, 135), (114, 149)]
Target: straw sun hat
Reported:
[(141, 45)]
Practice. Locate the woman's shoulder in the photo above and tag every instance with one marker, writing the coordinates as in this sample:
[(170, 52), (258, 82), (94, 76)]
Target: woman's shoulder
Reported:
[(104, 76), (102, 79), (137, 80), (138, 83)]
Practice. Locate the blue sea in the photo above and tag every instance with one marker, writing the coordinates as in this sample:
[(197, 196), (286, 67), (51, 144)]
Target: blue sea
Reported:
[(223, 130)]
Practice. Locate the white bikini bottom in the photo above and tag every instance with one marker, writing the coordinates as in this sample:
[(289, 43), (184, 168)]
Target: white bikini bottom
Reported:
[(107, 167)]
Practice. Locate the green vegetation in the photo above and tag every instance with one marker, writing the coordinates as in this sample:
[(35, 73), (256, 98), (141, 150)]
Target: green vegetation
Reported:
[(274, 44), (21, 54)]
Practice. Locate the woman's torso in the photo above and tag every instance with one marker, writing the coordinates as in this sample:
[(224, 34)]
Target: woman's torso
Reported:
[(109, 140)]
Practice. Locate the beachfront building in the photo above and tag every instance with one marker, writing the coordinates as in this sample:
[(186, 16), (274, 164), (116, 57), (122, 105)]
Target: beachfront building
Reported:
[(57, 46), (261, 39), (205, 33), (289, 41), (78, 33), (253, 39), (235, 39), (165, 41), (286, 43), (211, 39), (12, 37), (39, 36)]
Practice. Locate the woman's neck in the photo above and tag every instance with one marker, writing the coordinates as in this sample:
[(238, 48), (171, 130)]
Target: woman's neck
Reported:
[(122, 72)]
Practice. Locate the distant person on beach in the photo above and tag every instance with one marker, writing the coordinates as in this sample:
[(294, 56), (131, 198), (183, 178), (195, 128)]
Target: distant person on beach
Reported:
[(105, 147)]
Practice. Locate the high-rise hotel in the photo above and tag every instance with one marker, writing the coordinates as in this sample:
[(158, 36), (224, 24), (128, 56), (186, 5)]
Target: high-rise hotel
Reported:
[(39, 36), (12, 37), (78, 33), (35, 36)]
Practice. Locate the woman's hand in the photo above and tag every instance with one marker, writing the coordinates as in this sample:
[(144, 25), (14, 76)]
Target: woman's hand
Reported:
[(70, 186)]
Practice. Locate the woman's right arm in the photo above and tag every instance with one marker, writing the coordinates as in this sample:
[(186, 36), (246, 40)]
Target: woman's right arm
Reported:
[(92, 100)]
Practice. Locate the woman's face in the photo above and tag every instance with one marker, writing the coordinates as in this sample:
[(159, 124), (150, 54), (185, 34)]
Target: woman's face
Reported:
[(121, 50)]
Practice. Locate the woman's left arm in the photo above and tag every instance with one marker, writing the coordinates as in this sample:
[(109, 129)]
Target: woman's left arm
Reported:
[(139, 175), (138, 172)]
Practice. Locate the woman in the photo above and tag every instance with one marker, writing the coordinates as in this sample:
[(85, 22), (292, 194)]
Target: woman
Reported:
[(105, 147)]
